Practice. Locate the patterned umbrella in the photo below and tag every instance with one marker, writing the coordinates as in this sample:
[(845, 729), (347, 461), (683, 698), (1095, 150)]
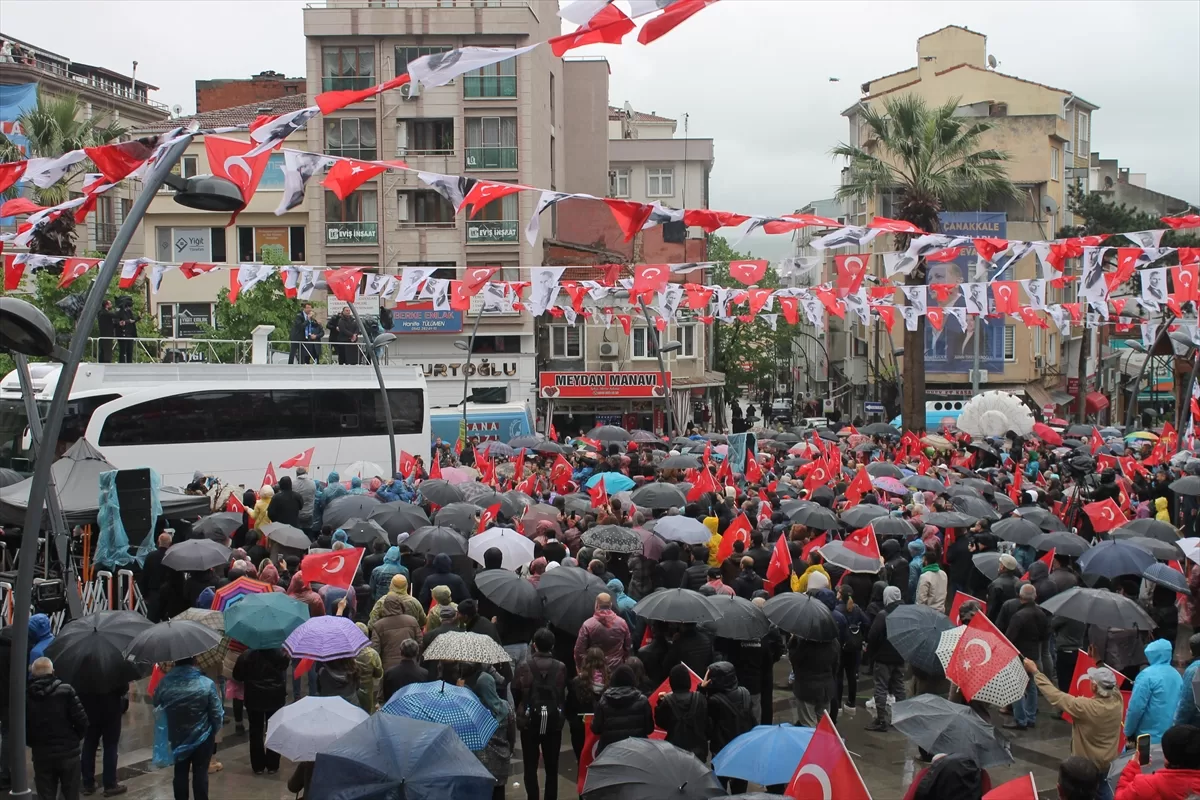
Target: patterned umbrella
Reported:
[(326, 639), (451, 705), (613, 538), (210, 661), (230, 593), (474, 648), (1006, 687), (890, 485)]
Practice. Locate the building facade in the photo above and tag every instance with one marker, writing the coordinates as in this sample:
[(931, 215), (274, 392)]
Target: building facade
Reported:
[(217, 93)]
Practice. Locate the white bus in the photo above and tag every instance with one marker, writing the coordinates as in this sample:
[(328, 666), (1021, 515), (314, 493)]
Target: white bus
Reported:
[(225, 420)]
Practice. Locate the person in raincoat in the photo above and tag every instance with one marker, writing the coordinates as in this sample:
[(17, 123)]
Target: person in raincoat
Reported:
[(1155, 695), (40, 636), (370, 670), (356, 486), (302, 591), (1187, 712), (442, 574), (1162, 511), (259, 512), (442, 599), (799, 583), (381, 576), (333, 490), (188, 715), (917, 549), (399, 586), (622, 603)]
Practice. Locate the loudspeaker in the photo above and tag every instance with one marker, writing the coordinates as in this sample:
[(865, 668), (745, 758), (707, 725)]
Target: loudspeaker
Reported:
[(49, 596), (674, 232), (134, 501)]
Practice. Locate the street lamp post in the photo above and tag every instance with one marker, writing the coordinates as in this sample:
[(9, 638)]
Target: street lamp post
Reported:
[(661, 347), (382, 340), (469, 346)]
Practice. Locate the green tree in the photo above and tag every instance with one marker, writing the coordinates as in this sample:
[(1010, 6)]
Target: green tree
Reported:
[(932, 161), (56, 126), (265, 304)]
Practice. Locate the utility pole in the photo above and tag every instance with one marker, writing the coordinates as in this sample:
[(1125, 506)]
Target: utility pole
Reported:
[(1081, 372)]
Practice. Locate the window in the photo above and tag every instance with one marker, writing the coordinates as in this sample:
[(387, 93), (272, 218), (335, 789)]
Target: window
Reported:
[(1010, 343), (687, 338), (495, 80), (350, 138), (407, 54), (354, 220), (566, 341), (1083, 133), (495, 222), (1052, 349), (272, 177), (424, 208), (253, 242), (620, 183), (229, 416), (644, 342), (184, 320), (105, 225), (492, 143), (347, 68), (660, 183), (425, 136), (1054, 168), (185, 167), (1037, 341)]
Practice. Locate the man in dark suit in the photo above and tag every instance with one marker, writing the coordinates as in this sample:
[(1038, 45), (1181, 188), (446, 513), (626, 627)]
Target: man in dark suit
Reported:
[(305, 336)]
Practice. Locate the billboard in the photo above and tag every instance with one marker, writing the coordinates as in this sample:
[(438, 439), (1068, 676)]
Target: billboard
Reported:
[(421, 317), (602, 384), (950, 349), (15, 100)]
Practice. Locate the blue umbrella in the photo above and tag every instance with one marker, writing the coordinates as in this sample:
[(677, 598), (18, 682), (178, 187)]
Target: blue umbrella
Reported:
[(766, 754), (389, 756), (447, 704), (1113, 559), (264, 621), (613, 481), (1168, 577)]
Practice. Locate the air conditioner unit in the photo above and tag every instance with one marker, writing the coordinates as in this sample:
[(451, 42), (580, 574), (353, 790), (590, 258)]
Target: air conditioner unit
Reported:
[(608, 349), (1038, 362), (406, 92), (608, 367)]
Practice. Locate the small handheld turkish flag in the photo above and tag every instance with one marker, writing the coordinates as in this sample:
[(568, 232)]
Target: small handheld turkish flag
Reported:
[(817, 477), (269, 478), (1047, 559), (234, 505), (780, 566), (858, 487), (1096, 442), (813, 544), (1104, 515), (332, 569), (863, 542), (956, 606), (435, 471), (407, 465), (826, 771), (599, 495), (488, 517), (705, 482), (1022, 788), (302, 460), (738, 531), (752, 471)]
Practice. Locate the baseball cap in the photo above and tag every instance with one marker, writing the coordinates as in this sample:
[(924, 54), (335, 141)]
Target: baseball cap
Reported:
[(1102, 677), (1009, 563)]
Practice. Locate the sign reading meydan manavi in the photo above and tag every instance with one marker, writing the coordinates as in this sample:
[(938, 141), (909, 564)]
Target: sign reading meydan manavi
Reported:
[(602, 384)]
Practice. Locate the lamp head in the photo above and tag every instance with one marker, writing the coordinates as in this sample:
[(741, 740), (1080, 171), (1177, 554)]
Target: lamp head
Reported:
[(25, 329), (208, 193), (670, 347), (462, 344), (384, 339)]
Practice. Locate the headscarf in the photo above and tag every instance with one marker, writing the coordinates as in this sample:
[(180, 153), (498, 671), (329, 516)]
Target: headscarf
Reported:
[(205, 600), (537, 568), (269, 573), (341, 536)]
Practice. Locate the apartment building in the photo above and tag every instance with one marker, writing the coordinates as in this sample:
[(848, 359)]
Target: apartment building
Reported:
[(106, 95), (502, 123), (1047, 132)]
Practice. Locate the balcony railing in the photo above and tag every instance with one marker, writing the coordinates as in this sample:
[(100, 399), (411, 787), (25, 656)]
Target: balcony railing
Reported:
[(491, 158), (351, 233), (105, 233), (61, 71), (488, 231), (476, 86)]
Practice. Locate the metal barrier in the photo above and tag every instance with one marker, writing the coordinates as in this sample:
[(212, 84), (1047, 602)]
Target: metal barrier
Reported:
[(6, 603), (219, 351), (128, 593)]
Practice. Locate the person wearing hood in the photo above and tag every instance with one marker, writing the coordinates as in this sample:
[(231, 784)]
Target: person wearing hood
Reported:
[(263, 675), (285, 505), (1004, 587), (259, 514), (799, 582), (1155, 696), (381, 576), (442, 600), (622, 712), (622, 603), (669, 572), (193, 713), (916, 549), (951, 776), (606, 631), (895, 565), (399, 587), (730, 713), (933, 584), (391, 628), (1162, 511), (55, 724), (683, 714), (1178, 779), (814, 665), (889, 666), (370, 670), (539, 695), (306, 489), (302, 591), (338, 679), (1039, 576), (40, 636), (269, 574), (1188, 711), (857, 626), (1163, 610), (442, 574)]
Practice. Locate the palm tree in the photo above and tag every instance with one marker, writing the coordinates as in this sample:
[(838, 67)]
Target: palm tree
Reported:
[(53, 127), (930, 160)]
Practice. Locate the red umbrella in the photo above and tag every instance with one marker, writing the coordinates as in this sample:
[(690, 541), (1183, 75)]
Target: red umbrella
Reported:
[(1047, 434)]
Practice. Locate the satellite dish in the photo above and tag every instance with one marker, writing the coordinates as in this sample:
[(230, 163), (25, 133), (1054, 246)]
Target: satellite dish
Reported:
[(176, 109), (992, 62), (629, 109), (1049, 205)]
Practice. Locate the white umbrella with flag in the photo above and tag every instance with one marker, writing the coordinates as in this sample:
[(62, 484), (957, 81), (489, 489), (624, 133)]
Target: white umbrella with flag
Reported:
[(517, 549), (983, 663)]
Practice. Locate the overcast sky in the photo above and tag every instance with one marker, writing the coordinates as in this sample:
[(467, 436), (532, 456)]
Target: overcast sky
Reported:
[(751, 74)]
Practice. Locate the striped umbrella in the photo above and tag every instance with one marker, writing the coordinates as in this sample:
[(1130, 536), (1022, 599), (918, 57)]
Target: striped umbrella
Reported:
[(232, 592), (456, 706)]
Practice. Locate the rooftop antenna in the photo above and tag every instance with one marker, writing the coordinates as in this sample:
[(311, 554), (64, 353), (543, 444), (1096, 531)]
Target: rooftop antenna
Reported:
[(992, 62)]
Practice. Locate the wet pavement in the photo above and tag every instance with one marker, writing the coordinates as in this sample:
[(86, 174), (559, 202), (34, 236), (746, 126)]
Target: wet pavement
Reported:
[(886, 760)]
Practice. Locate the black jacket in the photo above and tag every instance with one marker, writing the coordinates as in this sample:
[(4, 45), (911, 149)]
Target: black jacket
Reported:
[(685, 719), (623, 712), (399, 676), (693, 647), (879, 649), (860, 583), (695, 577), (151, 577), (958, 561), (1002, 589), (813, 666), (54, 720), (264, 673), (747, 583), (1029, 630), (762, 560), (895, 568), (107, 322), (442, 574), (751, 659), (1039, 576), (285, 507), (482, 625), (729, 714)]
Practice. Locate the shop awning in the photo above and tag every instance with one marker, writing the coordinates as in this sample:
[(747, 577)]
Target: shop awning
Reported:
[(1061, 398), (1095, 402), (1038, 394), (702, 381)]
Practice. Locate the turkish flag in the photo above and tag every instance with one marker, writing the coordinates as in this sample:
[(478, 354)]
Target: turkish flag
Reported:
[(826, 771), (738, 530), (893, 225), (863, 542), (1047, 559), (1007, 297), (302, 460), (960, 598), (858, 487), (488, 517), (851, 269), (751, 470), (227, 159), (1105, 515), (665, 686), (725, 471), (748, 272), (704, 483), (780, 566), (648, 279), (1014, 489), (269, 478), (117, 161), (678, 11), (407, 465), (599, 495), (983, 638), (332, 569), (234, 505), (1185, 282), (711, 220), (560, 471), (607, 27), (11, 172), (347, 174), (1179, 223), (1082, 687), (435, 471), (75, 268), (1096, 442), (1022, 788), (329, 102), (484, 192), (943, 255), (475, 277), (814, 543), (343, 283), (988, 248), (630, 216), (817, 477)]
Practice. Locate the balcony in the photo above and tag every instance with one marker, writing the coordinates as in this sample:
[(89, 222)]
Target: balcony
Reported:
[(491, 158), (488, 231), (489, 86), (63, 72), (351, 233)]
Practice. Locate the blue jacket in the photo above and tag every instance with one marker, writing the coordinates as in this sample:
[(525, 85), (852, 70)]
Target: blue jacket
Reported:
[(381, 576), (1187, 713), (1155, 695), (187, 712), (917, 548), (40, 636)]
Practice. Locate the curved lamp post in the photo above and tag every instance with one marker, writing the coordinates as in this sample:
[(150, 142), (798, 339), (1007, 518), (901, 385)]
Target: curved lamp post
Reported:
[(24, 334), (380, 341)]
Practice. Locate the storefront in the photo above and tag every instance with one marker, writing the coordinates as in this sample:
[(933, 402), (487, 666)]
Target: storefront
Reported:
[(579, 401), (490, 378)]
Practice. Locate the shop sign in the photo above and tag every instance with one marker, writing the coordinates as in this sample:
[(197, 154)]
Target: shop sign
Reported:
[(602, 384), (483, 368), (423, 318)]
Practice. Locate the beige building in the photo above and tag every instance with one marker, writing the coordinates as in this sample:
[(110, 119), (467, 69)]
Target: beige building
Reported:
[(107, 96), (1047, 132)]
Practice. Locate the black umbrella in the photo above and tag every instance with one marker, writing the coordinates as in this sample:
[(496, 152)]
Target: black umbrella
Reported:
[(510, 591), (8, 477), (675, 605), (219, 526), (683, 441), (1188, 485), (493, 448), (1081, 430), (569, 596), (195, 555), (884, 469), (440, 493), (1160, 550), (649, 769), (787, 438), (682, 461), (398, 517), (89, 653), (737, 618), (609, 433), (364, 532), (1016, 530), (1063, 543), (879, 429), (803, 616), (1154, 528), (463, 517), (433, 539), (644, 437), (984, 447), (915, 631), (656, 496), (1042, 518), (893, 526), (838, 554), (816, 517), (1099, 607), (514, 503), (287, 535), (1168, 577), (579, 502), (551, 447), (1113, 559), (974, 507), (349, 506), (613, 538), (936, 725), (950, 519), (860, 515), (988, 563), (985, 488), (1004, 504), (958, 490), (172, 640), (528, 442)]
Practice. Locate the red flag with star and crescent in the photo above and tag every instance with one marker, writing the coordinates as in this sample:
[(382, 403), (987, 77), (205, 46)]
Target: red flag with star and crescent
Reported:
[(780, 566), (826, 771), (751, 471), (560, 473), (817, 477), (435, 471), (302, 460), (599, 495), (814, 543), (971, 674), (858, 487), (864, 542), (1104, 515), (269, 478), (488, 516), (738, 531), (332, 569)]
